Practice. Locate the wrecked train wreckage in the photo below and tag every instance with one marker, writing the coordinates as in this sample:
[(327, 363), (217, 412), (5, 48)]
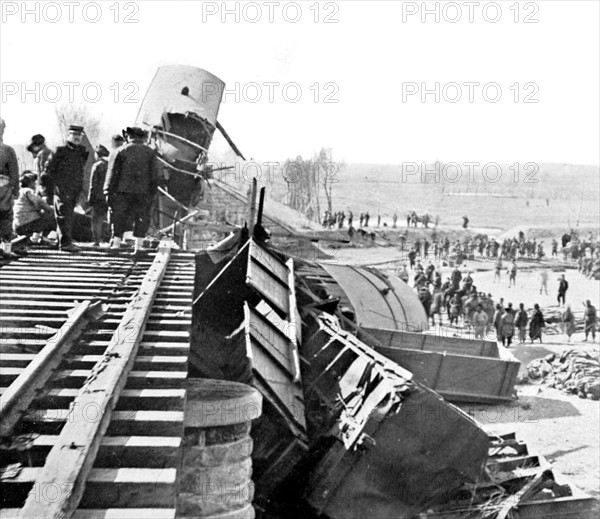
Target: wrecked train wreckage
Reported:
[(345, 432), (364, 438), (180, 111), (349, 427)]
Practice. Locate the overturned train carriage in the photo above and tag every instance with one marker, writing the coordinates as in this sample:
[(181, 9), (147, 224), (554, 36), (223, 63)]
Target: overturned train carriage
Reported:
[(180, 112)]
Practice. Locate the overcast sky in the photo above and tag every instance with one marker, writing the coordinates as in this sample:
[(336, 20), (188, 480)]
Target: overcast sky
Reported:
[(376, 54)]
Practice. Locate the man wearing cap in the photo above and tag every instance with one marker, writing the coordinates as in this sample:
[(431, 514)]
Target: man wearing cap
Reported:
[(96, 197), (9, 190), (130, 187), (65, 168), (41, 155)]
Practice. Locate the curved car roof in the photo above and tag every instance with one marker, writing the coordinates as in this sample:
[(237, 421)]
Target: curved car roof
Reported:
[(164, 94), (379, 300)]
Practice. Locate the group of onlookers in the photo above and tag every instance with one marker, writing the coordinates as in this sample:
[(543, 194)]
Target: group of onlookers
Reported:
[(465, 305), (37, 204)]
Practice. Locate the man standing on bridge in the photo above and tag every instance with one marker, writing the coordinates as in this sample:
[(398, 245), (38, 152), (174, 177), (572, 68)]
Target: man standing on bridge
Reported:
[(9, 190), (65, 169), (130, 186)]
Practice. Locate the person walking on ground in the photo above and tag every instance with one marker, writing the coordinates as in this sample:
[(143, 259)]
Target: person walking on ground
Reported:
[(436, 306), (480, 320), (498, 270), (521, 322), (412, 254), (507, 324), (544, 282), (497, 322), (568, 320), (96, 197), (537, 324), (65, 168), (455, 309), (130, 186), (456, 276), (426, 300), (563, 286), (9, 190), (512, 274), (589, 320)]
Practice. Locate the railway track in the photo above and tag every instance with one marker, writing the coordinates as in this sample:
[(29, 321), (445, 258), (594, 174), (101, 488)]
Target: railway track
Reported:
[(93, 366)]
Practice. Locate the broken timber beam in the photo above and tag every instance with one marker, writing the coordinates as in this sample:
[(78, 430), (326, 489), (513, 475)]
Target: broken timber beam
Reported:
[(24, 388), (71, 459)]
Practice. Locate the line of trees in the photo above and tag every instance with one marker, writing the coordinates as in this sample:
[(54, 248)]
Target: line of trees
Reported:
[(308, 179)]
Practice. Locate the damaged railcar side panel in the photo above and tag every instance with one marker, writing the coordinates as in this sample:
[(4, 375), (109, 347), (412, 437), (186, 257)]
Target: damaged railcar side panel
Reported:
[(461, 370), (404, 447), (242, 332)]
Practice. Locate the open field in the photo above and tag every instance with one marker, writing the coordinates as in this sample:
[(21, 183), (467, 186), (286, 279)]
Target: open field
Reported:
[(557, 196)]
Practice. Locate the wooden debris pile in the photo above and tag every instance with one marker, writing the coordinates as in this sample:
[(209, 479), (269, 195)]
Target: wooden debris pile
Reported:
[(574, 371), (515, 484), (554, 322)]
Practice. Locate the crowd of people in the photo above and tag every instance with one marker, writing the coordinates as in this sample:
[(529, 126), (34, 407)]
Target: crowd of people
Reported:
[(339, 219), (39, 204), (458, 298)]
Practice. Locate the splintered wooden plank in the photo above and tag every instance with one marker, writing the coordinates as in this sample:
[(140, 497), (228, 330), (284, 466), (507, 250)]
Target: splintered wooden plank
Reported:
[(70, 461)]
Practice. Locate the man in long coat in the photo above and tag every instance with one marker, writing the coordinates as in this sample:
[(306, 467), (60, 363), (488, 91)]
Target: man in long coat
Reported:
[(65, 168)]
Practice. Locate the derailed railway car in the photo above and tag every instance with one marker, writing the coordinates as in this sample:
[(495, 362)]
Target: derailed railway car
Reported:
[(180, 111)]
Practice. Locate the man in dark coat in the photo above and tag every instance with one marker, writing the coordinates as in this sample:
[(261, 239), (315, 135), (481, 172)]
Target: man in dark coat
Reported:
[(65, 169), (589, 320), (131, 185), (9, 190), (537, 324), (563, 286), (412, 254), (456, 276), (96, 197), (41, 155)]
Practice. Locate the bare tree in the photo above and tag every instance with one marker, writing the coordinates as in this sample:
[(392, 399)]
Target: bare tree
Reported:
[(304, 178), (69, 113)]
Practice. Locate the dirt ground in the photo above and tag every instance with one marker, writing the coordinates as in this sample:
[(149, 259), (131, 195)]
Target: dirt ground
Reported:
[(562, 427)]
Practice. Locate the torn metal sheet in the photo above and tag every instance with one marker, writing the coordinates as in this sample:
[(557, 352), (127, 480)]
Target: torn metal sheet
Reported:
[(399, 446)]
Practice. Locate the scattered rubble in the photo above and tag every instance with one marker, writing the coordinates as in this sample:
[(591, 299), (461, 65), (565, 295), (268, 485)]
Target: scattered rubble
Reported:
[(574, 371)]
